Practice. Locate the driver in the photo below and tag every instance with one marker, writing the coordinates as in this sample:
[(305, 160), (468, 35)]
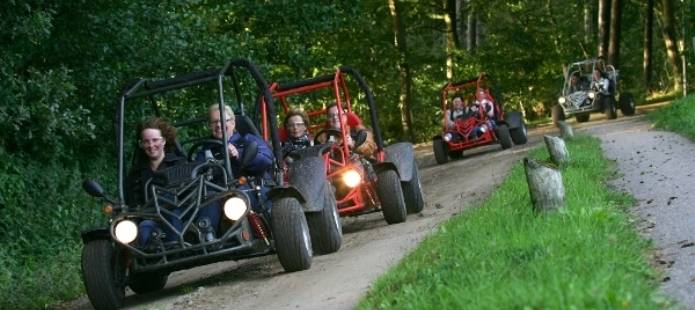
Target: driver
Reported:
[(457, 110), (156, 139), (296, 124), (600, 83), (236, 143), (356, 131)]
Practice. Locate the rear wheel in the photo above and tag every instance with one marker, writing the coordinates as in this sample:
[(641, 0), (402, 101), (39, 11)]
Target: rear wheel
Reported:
[(291, 234), (557, 113), (519, 134), (412, 192), (103, 273), (627, 104), (609, 107), (439, 151), (324, 227), (583, 117), (502, 133), (391, 196), (147, 282)]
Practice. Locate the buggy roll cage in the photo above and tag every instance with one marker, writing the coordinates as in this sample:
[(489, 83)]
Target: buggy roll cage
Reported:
[(338, 83), (148, 88), (609, 70)]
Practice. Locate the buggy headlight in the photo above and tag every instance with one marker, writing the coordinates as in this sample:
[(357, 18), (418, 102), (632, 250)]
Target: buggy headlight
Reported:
[(447, 137), (235, 208), (591, 95), (561, 100), (126, 231), (352, 178)]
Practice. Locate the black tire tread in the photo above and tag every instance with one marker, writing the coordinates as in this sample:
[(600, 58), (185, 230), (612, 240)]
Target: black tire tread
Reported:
[(326, 233), (503, 136), (391, 196), (97, 272), (439, 151), (412, 192), (288, 222)]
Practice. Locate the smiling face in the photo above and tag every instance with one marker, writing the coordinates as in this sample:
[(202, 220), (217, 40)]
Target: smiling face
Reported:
[(296, 126), (152, 143), (458, 103), (334, 118), (214, 124)]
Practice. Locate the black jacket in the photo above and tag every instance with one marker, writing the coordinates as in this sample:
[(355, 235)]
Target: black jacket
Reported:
[(141, 172)]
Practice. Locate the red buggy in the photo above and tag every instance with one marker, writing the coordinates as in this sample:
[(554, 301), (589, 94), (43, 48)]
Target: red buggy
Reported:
[(385, 181), (475, 127)]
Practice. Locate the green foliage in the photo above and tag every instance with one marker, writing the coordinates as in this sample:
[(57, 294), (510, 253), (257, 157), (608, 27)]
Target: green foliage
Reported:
[(502, 255), (678, 117)]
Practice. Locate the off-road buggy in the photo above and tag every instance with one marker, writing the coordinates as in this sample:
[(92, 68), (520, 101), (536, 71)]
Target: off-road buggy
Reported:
[(113, 258), (474, 127), (591, 86), (385, 181)]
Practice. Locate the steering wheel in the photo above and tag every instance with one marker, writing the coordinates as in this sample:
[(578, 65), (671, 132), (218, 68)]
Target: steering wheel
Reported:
[(193, 149), (329, 132)]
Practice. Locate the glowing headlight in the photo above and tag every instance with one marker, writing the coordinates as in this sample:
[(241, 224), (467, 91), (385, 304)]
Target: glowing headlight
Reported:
[(447, 137), (126, 231), (561, 100), (592, 95), (234, 208), (352, 178)]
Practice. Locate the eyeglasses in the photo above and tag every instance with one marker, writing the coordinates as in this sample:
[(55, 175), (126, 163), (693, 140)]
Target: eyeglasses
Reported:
[(296, 125), (215, 123), (144, 142)]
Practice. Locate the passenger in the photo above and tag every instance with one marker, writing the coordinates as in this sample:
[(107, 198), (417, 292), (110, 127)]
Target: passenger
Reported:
[(356, 131), (156, 139), (483, 102), (458, 109), (296, 124), (259, 166), (600, 83)]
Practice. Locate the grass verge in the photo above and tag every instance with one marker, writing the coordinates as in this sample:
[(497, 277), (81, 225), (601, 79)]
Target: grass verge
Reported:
[(502, 255), (678, 117)]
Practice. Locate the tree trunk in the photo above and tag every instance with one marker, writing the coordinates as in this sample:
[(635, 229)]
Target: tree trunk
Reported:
[(614, 42), (471, 34), (545, 186), (648, 45), (557, 150), (404, 98), (455, 15), (450, 45), (668, 32), (588, 22), (604, 14)]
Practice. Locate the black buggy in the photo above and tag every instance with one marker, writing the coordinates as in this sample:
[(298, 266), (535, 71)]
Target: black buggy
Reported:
[(112, 258)]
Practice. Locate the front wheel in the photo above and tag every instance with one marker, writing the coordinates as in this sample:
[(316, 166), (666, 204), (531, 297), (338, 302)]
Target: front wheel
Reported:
[(291, 234), (627, 104), (391, 196), (103, 273), (439, 151), (412, 192), (503, 136), (147, 282), (324, 226), (609, 107), (583, 117), (519, 134)]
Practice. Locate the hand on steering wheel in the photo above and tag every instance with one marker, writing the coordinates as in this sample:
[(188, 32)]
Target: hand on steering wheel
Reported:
[(193, 150)]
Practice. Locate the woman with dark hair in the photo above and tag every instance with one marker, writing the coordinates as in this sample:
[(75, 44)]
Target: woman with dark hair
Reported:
[(156, 141), (297, 125)]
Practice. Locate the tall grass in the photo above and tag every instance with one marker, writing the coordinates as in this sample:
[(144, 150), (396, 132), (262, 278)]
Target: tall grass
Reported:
[(502, 255), (678, 117)]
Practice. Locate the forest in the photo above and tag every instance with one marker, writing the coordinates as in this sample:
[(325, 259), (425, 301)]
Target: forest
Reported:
[(63, 64)]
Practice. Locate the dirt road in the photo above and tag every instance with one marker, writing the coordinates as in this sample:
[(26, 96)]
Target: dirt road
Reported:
[(370, 247)]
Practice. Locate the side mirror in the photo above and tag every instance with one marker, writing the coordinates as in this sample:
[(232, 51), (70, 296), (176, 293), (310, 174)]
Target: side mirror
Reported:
[(93, 188), (250, 152)]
